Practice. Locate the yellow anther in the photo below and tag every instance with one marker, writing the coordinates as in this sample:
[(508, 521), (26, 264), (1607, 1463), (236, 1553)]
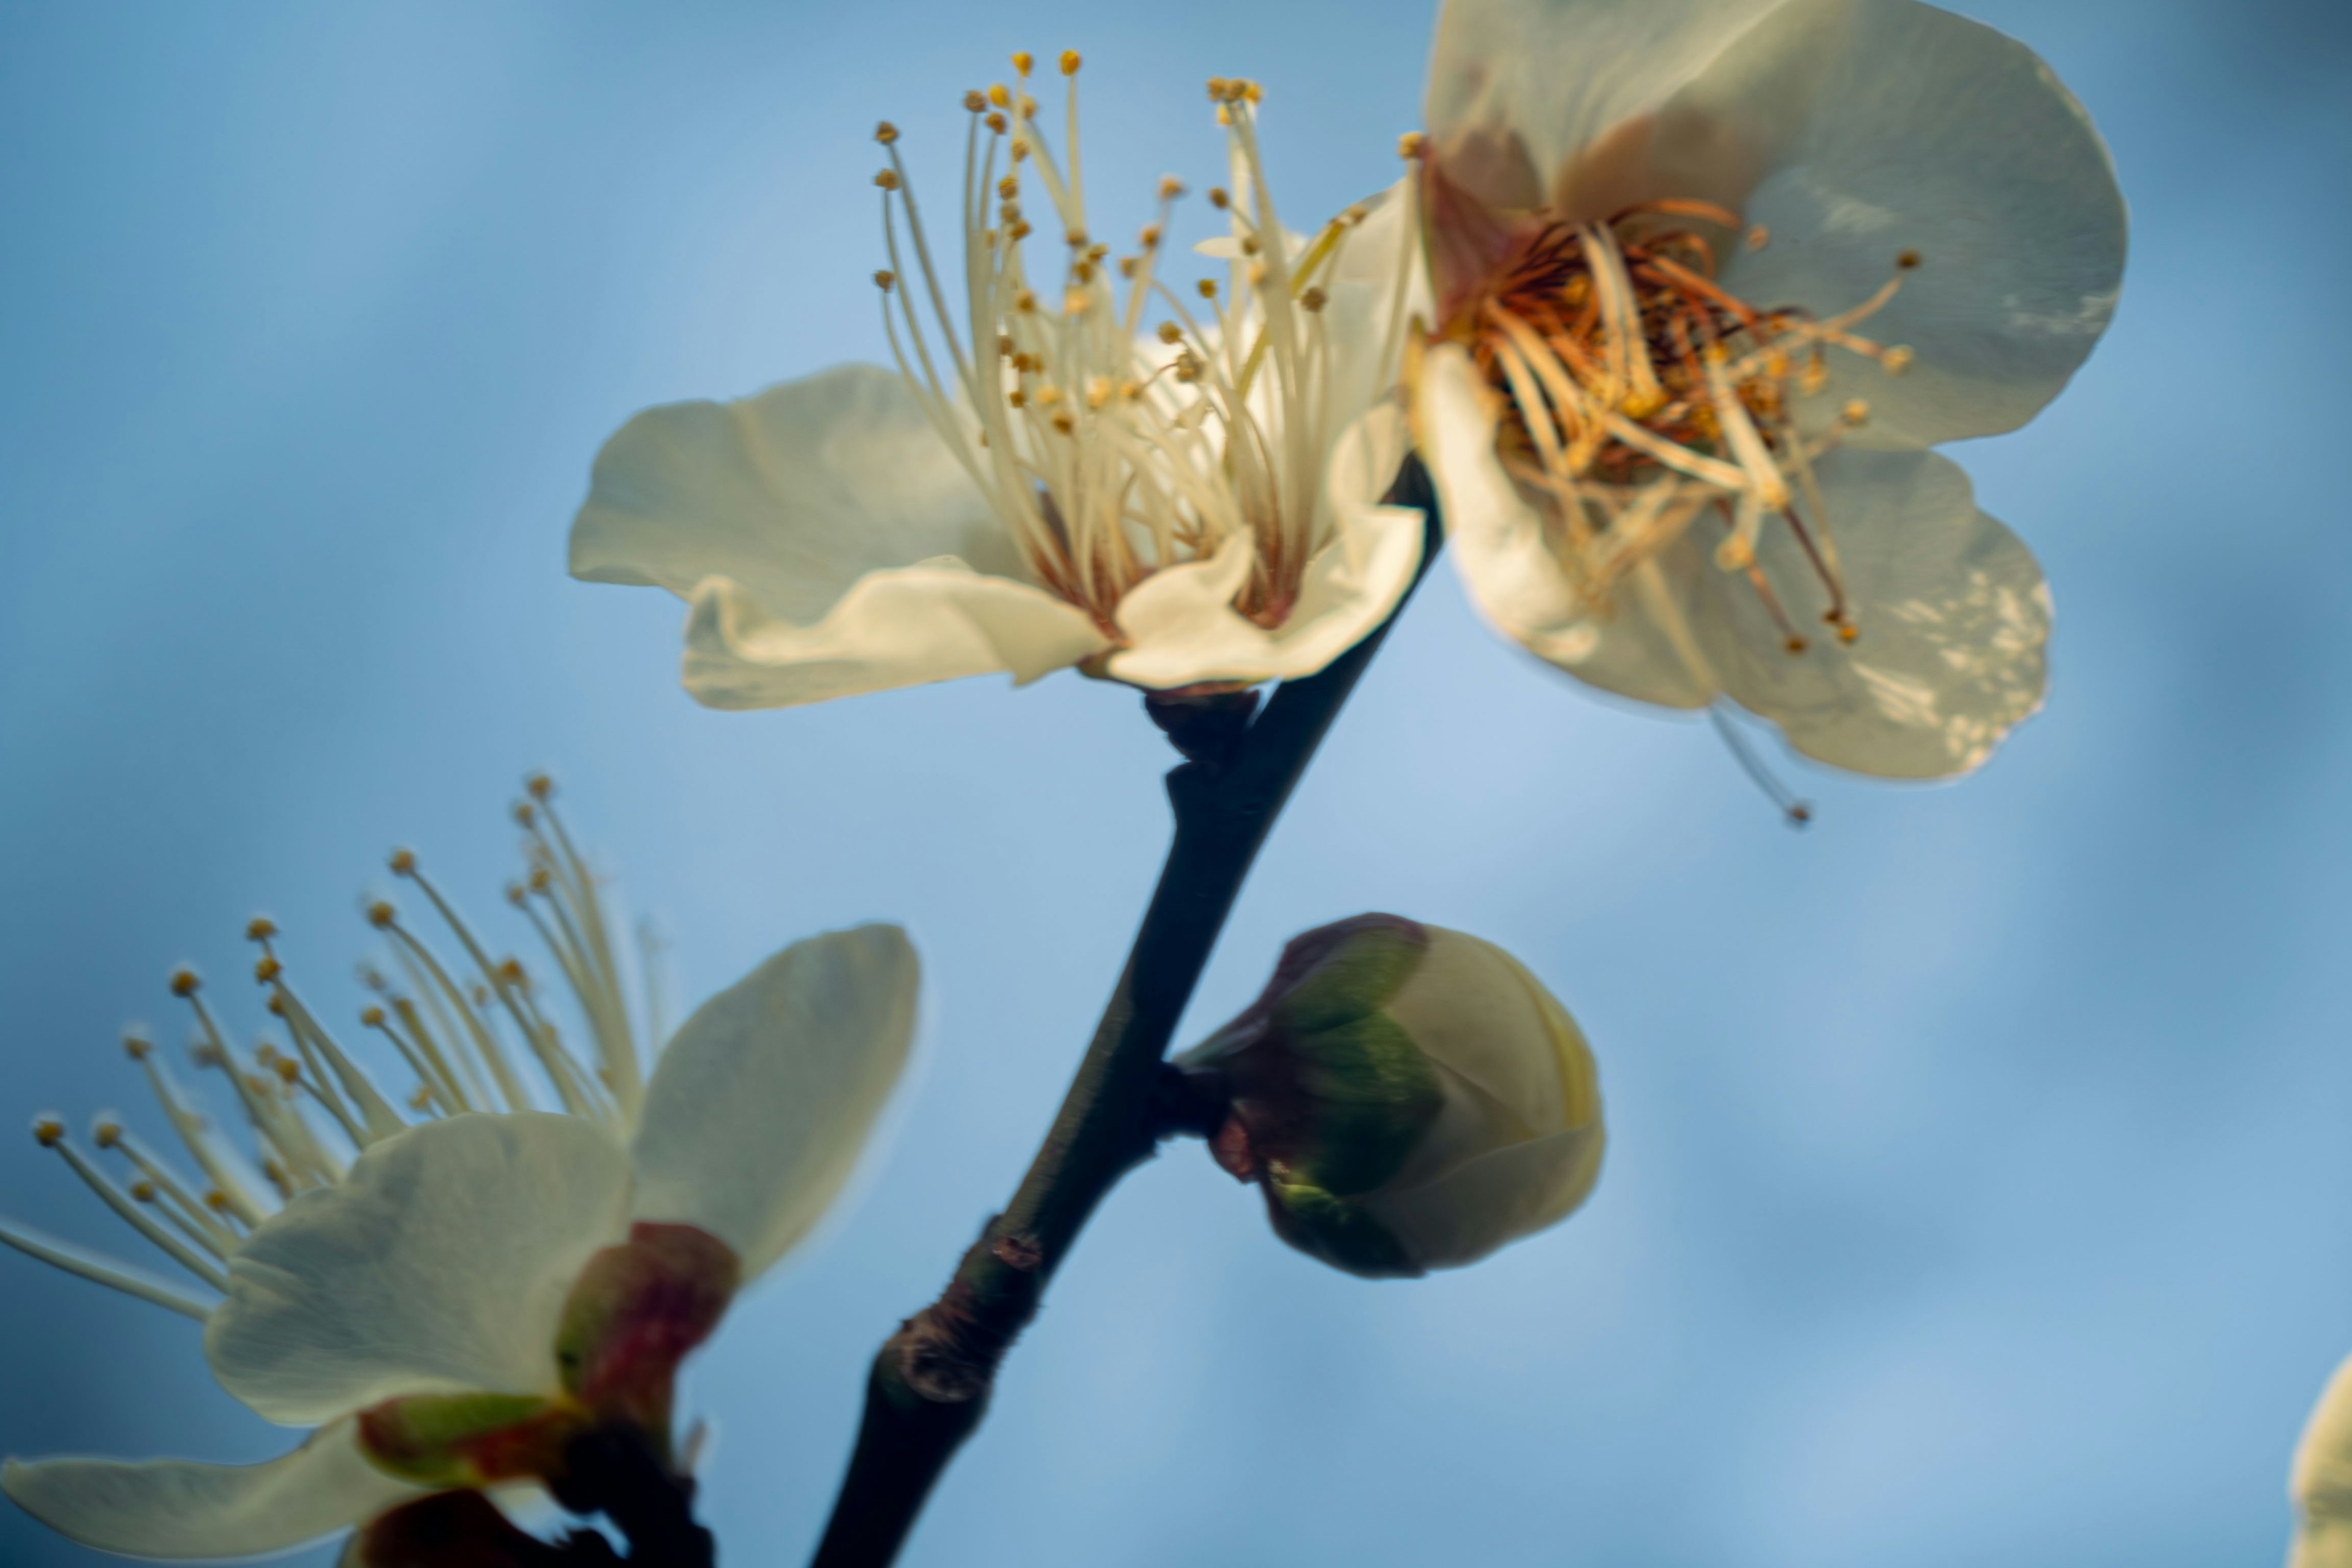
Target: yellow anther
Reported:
[(260, 928), (885, 133), (1007, 188), (1020, 150), (542, 879), (1023, 61), (106, 1134), (1896, 360), (1049, 395), (379, 914), (144, 1191), (1907, 261), (1076, 238), (267, 970), (1216, 89), (137, 1046), (511, 973), (422, 1100), (975, 101), (516, 895), (216, 1201), (887, 179), (1025, 302), (1847, 632), (1074, 302), (1170, 187), (1069, 62), (1028, 106), (1257, 274), (184, 982), (1218, 198), (1795, 645), (1128, 266), (287, 1069), (1208, 287), (1412, 145), (1854, 412), (1064, 423), (1252, 91), (997, 123), (1313, 300), (277, 1006), (1017, 398), (1149, 237), (539, 785), (884, 277), (48, 1131), (402, 862), (1249, 245), (524, 814), (372, 1017), (1170, 332), (1097, 391)]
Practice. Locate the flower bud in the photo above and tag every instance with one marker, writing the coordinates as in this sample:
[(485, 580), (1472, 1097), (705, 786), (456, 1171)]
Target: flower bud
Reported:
[(1410, 1097)]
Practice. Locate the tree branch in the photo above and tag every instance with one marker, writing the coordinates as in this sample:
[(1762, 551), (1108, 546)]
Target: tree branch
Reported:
[(928, 1387)]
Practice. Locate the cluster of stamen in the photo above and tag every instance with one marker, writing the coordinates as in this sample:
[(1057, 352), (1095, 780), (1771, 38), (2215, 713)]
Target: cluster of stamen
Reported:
[(476, 1033), (1643, 397), (1116, 426)]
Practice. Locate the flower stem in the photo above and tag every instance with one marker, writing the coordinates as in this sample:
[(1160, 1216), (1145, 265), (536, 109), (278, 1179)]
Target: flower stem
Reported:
[(929, 1384)]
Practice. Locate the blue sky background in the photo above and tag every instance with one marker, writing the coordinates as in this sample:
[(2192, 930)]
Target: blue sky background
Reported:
[(1980, 1186)]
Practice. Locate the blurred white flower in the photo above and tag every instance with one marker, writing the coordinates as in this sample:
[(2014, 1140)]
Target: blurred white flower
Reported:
[(2320, 1481), (1048, 484), (1712, 277), (449, 1301), (1409, 1098)]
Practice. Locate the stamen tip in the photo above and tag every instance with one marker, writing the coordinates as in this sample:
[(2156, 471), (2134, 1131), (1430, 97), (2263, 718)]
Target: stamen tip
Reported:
[(402, 861), (260, 928), (49, 1130), (1070, 62), (185, 982)]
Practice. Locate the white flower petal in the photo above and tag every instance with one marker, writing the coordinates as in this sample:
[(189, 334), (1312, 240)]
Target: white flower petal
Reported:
[(1922, 132), (1498, 547), (175, 1508), (1180, 623), (937, 621), (1364, 320), (1536, 101), (440, 1263), (1953, 615), (794, 494), (761, 1103), (2320, 1481)]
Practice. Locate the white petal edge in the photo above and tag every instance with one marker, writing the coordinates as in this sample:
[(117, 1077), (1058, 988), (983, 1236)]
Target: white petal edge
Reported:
[(762, 1104), (1905, 128), (1952, 611), (1508, 570), (909, 626), (440, 1264), (794, 494), (177, 1509), (2321, 1480), (1180, 623)]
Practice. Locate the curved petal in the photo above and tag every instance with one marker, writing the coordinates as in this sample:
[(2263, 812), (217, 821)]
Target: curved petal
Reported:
[(794, 494), (1493, 1200), (2320, 1481), (175, 1508), (1953, 616), (1925, 133), (1180, 623), (1510, 572), (1376, 286), (1537, 101), (937, 621), (440, 1264), (762, 1102)]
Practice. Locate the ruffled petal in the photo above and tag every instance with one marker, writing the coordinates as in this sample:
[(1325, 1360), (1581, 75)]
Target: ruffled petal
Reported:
[(439, 1264), (1510, 572), (762, 1102), (937, 621), (1952, 611), (793, 494), (175, 1508), (2321, 1480), (1553, 101), (1925, 133), (1180, 623)]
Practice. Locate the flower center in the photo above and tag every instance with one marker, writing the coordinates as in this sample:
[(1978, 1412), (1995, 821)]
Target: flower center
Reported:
[(1115, 426), (1643, 397)]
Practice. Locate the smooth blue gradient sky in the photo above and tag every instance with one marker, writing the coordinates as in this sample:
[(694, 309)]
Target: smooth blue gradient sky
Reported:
[(1980, 1186)]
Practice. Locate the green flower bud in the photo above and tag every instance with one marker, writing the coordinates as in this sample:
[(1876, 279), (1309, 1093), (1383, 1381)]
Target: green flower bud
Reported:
[(1409, 1098)]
